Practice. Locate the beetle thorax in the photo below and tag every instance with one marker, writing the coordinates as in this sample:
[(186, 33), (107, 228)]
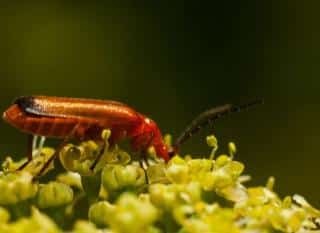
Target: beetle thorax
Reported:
[(148, 134), (145, 133)]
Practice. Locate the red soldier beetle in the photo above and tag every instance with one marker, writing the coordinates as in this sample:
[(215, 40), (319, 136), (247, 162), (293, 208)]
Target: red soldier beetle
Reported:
[(84, 119)]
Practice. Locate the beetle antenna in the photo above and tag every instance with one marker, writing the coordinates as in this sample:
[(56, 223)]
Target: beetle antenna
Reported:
[(208, 117)]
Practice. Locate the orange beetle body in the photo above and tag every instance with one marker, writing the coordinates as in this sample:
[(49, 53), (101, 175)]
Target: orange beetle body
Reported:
[(84, 119)]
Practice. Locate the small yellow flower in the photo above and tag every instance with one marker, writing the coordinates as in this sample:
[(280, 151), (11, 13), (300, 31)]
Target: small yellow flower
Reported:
[(54, 194), (117, 177)]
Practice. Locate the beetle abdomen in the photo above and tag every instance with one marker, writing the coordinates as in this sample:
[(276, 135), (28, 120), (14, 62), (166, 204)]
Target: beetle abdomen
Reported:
[(51, 126), (112, 111)]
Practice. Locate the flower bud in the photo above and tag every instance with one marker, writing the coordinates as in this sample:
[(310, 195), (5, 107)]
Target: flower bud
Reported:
[(170, 196), (156, 173), (198, 166), (178, 173), (77, 158), (100, 212), (117, 177), (71, 179), (54, 194), (212, 141), (235, 169), (68, 155), (80, 158), (162, 197), (222, 160), (128, 214), (177, 170), (132, 214)]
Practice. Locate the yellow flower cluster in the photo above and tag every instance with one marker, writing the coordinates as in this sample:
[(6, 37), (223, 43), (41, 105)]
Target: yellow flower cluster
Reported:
[(186, 195)]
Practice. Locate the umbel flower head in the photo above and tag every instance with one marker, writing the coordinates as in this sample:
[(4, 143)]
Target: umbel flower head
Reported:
[(122, 194)]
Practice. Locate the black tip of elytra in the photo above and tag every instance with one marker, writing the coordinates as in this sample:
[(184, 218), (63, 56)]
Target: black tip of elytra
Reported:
[(24, 102)]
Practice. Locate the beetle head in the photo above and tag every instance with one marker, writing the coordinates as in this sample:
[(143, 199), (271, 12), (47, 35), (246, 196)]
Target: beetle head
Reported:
[(148, 134)]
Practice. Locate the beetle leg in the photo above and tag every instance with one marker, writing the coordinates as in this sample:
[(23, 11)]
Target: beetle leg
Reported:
[(145, 158), (56, 153), (30, 141), (115, 137), (144, 154), (34, 143), (144, 164), (101, 152), (40, 145)]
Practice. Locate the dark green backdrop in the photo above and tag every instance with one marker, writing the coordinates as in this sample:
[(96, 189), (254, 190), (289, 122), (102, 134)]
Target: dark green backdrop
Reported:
[(174, 60)]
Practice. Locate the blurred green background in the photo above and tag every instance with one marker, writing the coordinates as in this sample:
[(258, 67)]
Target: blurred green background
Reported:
[(172, 60)]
